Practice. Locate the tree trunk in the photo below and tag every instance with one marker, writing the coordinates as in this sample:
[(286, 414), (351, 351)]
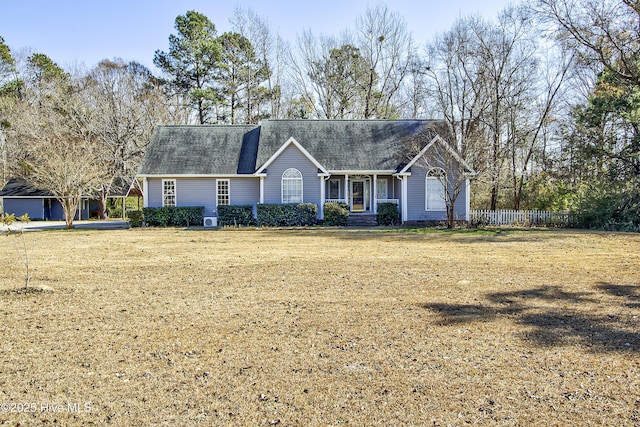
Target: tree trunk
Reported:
[(201, 111), (494, 194), (102, 205), (450, 216), (70, 207)]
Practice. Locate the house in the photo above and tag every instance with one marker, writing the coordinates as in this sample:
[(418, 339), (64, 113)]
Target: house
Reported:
[(18, 197), (362, 163)]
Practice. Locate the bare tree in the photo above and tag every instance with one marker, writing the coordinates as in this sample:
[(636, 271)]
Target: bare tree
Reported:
[(605, 36), (496, 90), (529, 123), (456, 86), (128, 103), (387, 47), (270, 49), (10, 85), (605, 32), (308, 76), (59, 149)]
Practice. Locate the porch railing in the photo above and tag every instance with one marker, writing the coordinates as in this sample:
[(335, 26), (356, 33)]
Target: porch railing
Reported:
[(394, 201)]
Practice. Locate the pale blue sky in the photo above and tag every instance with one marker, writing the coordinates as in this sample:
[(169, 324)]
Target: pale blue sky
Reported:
[(86, 31)]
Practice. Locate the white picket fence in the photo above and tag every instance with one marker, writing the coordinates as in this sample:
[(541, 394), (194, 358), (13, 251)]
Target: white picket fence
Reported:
[(526, 218)]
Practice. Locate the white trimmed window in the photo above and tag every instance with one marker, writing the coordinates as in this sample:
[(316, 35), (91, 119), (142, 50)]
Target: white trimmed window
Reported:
[(168, 192), (334, 188), (292, 186), (435, 193), (222, 192), (382, 189)]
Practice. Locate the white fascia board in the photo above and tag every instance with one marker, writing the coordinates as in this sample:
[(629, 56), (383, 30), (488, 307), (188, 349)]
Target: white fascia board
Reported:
[(417, 156), (363, 172), (447, 147), (175, 176), (290, 141)]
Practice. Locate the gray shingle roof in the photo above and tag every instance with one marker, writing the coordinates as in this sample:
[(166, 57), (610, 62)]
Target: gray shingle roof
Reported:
[(197, 150), (343, 144), (224, 149), (20, 187)]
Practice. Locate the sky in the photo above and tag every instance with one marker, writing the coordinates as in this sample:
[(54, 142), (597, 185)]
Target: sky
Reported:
[(83, 32)]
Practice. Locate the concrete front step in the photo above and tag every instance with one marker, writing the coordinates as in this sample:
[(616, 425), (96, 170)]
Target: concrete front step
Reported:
[(362, 220)]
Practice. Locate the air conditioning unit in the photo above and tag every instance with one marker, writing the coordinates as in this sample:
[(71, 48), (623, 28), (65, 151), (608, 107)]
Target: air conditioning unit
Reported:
[(210, 221)]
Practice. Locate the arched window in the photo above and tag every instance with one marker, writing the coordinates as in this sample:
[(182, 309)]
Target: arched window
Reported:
[(291, 186), (435, 197)]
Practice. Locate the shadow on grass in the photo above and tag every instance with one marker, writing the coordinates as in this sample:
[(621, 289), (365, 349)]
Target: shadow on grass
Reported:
[(630, 293), (461, 235), (545, 310)]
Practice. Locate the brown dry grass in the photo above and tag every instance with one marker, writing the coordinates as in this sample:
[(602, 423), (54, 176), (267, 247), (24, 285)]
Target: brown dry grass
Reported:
[(323, 327)]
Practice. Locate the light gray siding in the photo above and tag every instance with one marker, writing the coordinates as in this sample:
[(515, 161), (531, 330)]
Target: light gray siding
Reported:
[(189, 192), (416, 200), (196, 192), (154, 190), (292, 157), (244, 191), (202, 192)]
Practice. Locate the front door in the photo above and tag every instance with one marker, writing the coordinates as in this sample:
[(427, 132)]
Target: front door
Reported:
[(357, 196)]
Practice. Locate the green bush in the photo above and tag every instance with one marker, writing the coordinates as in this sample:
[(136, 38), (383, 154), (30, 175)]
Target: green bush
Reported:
[(288, 215), (336, 213), (172, 216), (235, 215), (135, 218), (606, 209), (115, 212), (388, 214)]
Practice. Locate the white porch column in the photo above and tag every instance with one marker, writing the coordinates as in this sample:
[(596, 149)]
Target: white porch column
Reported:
[(346, 190), (375, 193), (262, 190), (404, 199), (145, 192), (323, 180)]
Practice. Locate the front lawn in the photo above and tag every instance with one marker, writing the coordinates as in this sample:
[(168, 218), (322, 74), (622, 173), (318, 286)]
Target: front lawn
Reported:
[(322, 327)]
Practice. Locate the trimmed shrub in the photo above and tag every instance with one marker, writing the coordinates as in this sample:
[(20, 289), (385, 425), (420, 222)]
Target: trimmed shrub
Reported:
[(115, 212), (388, 214), (336, 213), (235, 215), (289, 215), (172, 216), (135, 218)]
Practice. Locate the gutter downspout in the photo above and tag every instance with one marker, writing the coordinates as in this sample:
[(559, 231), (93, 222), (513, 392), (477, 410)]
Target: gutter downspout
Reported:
[(467, 191)]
